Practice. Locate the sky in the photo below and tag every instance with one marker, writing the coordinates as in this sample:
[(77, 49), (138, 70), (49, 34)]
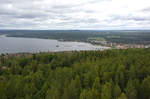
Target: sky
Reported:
[(75, 14)]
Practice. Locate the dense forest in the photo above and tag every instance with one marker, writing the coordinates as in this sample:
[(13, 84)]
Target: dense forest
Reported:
[(114, 36), (110, 74)]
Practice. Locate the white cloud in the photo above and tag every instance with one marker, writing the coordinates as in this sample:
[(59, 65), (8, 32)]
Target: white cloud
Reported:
[(74, 14)]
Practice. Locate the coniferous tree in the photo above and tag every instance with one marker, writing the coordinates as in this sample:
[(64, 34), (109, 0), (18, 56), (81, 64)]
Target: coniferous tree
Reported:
[(53, 94), (116, 91), (96, 84), (106, 91), (77, 86), (123, 96), (131, 92), (145, 92), (83, 94)]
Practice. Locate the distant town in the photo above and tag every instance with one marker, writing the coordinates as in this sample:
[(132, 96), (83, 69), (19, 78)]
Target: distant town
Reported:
[(119, 45)]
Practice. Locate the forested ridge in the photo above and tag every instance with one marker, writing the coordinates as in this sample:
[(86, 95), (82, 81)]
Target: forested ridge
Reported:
[(110, 74), (113, 36)]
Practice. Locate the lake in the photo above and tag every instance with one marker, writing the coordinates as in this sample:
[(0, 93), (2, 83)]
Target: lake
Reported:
[(33, 45)]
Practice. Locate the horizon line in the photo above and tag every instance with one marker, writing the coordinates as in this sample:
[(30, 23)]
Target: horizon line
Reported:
[(77, 29)]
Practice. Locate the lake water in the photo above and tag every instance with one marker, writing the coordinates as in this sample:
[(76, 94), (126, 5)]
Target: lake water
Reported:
[(18, 45)]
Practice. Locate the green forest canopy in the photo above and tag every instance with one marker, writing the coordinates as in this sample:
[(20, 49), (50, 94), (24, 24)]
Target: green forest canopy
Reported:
[(110, 74)]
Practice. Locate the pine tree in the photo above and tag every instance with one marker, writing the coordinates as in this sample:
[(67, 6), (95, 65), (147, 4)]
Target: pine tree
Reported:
[(53, 94), (86, 81), (123, 96), (96, 88), (2, 90), (131, 91), (106, 91), (77, 86), (89, 94), (116, 91), (145, 92), (83, 94), (73, 90), (96, 84)]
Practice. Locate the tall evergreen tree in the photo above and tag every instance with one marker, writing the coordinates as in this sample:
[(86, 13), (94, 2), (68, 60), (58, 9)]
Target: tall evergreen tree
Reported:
[(116, 91), (96, 84), (53, 94), (131, 91), (106, 91), (123, 96), (145, 92)]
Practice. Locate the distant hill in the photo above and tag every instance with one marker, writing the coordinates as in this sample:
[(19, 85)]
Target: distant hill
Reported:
[(114, 36)]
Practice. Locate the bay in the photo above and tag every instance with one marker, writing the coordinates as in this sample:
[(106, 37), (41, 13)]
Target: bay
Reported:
[(34, 45)]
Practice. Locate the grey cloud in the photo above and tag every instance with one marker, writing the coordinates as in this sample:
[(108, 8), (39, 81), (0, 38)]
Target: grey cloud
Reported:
[(77, 21), (26, 14), (32, 15), (130, 17), (146, 9), (23, 11), (63, 9)]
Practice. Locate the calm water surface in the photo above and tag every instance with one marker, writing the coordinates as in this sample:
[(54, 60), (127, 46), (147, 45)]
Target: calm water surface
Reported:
[(18, 45)]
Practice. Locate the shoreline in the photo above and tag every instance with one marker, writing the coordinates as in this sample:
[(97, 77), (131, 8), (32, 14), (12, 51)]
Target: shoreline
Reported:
[(76, 47), (44, 52), (60, 40)]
